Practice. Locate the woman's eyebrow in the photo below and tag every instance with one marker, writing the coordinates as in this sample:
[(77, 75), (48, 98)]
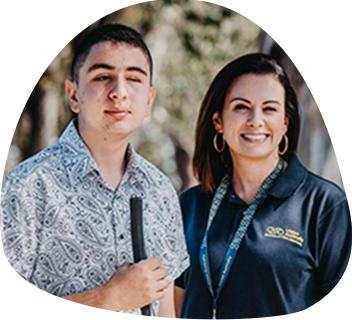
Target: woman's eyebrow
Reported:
[(271, 101), (239, 99), (247, 101)]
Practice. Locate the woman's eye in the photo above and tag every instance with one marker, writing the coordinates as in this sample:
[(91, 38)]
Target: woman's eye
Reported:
[(270, 109), (241, 107)]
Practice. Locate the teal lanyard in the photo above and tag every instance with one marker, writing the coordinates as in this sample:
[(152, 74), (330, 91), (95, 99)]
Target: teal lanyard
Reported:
[(231, 251)]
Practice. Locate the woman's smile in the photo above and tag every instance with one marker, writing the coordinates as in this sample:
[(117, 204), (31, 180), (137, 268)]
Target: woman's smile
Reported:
[(254, 137)]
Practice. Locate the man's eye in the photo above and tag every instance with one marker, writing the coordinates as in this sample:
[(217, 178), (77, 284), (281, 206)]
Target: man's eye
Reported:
[(101, 78), (133, 79)]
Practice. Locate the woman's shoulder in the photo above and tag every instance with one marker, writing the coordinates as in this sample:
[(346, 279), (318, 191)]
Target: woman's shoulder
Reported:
[(326, 194), (311, 184), (194, 198), (194, 193), (322, 185)]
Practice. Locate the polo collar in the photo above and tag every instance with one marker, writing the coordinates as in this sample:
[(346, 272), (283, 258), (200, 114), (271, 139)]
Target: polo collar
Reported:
[(289, 180), (234, 198)]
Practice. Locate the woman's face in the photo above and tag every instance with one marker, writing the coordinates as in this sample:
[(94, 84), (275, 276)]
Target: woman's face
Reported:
[(253, 120)]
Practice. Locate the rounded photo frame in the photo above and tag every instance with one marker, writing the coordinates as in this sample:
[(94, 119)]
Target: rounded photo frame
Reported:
[(279, 42)]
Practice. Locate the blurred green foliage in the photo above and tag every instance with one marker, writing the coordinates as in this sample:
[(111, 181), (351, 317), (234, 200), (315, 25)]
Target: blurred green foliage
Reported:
[(190, 42)]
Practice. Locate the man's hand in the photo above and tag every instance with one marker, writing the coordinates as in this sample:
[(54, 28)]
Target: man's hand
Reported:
[(137, 285), (132, 286)]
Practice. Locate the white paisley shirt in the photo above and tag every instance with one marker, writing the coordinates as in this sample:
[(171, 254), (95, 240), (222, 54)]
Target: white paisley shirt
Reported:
[(66, 231)]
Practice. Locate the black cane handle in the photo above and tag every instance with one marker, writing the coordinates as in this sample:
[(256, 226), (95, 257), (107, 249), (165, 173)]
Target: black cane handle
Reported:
[(136, 208)]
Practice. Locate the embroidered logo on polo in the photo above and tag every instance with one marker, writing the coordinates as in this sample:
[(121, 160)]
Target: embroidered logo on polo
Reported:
[(285, 234)]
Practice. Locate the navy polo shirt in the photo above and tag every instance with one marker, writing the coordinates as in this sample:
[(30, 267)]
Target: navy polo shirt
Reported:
[(294, 252)]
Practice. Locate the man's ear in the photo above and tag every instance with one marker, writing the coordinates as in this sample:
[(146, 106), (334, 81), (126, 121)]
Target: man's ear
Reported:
[(151, 98), (217, 122), (71, 93)]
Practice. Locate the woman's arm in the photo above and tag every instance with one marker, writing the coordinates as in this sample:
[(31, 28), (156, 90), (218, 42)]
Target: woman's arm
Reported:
[(179, 294), (334, 239), (167, 305)]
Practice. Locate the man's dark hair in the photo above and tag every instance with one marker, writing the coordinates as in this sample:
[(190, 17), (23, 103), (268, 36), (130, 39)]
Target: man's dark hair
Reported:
[(116, 33), (209, 165)]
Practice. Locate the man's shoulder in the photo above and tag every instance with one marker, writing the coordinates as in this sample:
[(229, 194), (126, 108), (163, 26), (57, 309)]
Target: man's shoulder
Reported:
[(155, 176), (31, 167)]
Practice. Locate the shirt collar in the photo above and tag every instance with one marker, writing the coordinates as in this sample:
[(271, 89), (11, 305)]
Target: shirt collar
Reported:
[(285, 185), (234, 198), (76, 154), (138, 175), (289, 179)]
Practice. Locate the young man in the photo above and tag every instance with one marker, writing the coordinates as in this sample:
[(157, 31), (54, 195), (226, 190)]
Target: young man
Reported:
[(65, 211)]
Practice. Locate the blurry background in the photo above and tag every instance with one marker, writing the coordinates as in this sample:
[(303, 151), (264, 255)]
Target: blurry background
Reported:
[(190, 42)]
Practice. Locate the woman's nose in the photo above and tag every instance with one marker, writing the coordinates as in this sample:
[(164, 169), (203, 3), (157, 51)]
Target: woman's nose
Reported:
[(256, 118)]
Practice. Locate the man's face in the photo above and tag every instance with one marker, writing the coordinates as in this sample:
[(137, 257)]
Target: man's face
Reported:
[(113, 94)]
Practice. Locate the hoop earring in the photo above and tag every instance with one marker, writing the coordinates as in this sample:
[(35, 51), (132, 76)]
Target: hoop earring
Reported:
[(215, 143), (281, 153)]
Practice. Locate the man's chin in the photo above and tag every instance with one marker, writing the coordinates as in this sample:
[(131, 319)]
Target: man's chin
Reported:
[(120, 132)]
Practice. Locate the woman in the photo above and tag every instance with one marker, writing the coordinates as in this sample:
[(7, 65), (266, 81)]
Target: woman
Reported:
[(266, 237)]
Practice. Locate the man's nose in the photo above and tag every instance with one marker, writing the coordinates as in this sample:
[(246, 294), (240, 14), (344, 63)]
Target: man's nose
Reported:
[(118, 91), (256, 118)]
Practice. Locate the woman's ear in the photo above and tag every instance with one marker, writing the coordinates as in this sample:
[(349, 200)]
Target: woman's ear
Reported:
[(217, 122), (286, 122), (71, 92)]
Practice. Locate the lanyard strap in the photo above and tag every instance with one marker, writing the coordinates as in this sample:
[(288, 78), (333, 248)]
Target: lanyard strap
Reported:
[(232, 249)]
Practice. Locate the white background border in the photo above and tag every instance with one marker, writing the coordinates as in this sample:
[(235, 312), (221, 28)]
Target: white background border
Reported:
[(316, 36)]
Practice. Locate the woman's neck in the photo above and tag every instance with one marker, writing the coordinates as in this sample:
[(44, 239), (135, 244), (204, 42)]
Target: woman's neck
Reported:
[(249, 174)]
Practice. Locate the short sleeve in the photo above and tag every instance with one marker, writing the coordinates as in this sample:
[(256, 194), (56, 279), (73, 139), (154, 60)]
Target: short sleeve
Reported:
[(178, 258), (334, 243), (18, 229)]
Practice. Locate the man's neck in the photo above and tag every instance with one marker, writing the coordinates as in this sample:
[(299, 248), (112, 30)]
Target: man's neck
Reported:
[(110, 155), (249, 175)]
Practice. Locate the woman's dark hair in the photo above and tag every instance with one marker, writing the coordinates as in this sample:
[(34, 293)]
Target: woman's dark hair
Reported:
[(210, 166)]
